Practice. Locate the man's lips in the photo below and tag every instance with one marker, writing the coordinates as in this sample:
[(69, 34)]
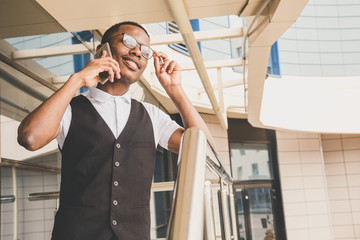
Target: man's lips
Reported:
[(131, 63)]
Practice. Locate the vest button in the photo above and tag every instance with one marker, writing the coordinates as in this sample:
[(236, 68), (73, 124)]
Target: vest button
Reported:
[(114, 222), (117, 163), (115, 202), (118, 145), (116, 183)]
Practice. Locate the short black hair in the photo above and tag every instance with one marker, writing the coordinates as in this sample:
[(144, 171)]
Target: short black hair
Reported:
[(110, 31)]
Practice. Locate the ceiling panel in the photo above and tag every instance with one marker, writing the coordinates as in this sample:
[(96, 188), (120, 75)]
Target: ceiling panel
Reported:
[(23, 18)]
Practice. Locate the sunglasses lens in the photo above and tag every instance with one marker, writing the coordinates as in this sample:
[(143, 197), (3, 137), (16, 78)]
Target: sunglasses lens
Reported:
[(129, 41), (146, 51)]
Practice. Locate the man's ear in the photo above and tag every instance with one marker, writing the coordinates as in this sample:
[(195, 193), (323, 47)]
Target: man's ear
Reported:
[(99, 46)]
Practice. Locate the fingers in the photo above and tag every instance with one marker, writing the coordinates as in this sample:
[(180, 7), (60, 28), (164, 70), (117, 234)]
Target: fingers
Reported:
[(116, 69), (163, 64), (157, 63), (112, 67), (170, 68)]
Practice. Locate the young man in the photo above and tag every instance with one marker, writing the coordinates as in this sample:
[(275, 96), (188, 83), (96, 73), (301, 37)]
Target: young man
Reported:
[(108, 141)]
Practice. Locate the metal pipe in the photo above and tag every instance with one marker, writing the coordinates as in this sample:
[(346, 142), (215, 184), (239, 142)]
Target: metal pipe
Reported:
[(209, 213), (225, 213), (15, 221), (212, 155), (219, 170), (10, 103), (233, 213), (187, 212), (5, 162), (156, 187), (7, 199), (43, 196)]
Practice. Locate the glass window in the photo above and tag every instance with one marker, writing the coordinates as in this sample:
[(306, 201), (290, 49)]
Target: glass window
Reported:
[(250, 161)]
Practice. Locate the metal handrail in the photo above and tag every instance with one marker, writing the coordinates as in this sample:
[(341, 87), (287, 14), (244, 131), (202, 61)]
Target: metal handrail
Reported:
[(187, 211), (192, 201), (7, 199), (5, 162), (214, 163), (156, 187), (219, 170), (43, 196)]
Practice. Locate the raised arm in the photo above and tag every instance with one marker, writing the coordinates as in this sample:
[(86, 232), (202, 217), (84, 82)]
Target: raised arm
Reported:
[(169, 74), (43, 125)]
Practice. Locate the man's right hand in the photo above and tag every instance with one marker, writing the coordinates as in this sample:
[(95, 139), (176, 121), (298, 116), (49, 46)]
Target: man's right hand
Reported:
[(89, 75)]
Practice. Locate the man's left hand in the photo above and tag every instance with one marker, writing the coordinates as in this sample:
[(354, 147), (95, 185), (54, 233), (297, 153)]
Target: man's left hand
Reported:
[(168, 72)]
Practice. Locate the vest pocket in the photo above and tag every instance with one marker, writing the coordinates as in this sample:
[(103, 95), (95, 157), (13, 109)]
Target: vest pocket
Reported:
[(143, 164)]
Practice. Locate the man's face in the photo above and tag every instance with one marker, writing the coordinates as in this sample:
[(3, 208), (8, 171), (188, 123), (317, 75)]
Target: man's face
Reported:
[(132, 63)]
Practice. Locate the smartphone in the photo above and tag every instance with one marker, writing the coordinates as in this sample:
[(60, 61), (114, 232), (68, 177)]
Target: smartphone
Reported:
[(104, 76)]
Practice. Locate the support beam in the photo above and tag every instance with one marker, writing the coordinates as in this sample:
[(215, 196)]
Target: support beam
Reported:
[(185, 67), (236, 62), (271, 24), (155, 40), (22, 86), (221, 94), (199, 36), (180, 15), (25, 71), (51, 51), (227, 84)]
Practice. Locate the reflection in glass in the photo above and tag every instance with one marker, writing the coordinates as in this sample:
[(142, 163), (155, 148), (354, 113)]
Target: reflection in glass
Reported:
[(250, 161), (240, 213), (261, 215)]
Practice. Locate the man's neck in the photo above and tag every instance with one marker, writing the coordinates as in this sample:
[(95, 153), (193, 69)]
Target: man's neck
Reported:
[(116, 88)]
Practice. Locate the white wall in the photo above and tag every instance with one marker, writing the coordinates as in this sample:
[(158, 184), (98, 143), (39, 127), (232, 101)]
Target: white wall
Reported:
[(304, 188), (342, 165)]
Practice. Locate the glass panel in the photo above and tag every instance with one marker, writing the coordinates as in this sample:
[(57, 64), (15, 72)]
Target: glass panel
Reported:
[(162, 202), (165, 171), (240, 213), (250, 161), (261, 215), (59, 65), (22, 218)]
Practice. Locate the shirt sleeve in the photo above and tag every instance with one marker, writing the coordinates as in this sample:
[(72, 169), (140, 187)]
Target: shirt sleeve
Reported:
[(64, 126), (163, 125)]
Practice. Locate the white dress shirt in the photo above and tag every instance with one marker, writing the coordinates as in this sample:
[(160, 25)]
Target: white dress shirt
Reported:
[(115, 111)]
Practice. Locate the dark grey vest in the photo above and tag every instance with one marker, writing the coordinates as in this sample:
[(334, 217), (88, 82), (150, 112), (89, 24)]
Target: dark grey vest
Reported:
[(105, 182)]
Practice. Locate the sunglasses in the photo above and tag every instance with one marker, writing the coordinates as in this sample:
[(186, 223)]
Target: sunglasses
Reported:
[(130, 42)]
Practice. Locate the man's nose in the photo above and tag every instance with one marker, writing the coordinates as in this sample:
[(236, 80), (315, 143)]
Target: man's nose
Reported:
[(136, 51)]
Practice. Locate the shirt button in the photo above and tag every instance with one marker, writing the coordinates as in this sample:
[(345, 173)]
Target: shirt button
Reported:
[(116, 183), (114, 222), (118, 145), (117, 163), (115, 202)]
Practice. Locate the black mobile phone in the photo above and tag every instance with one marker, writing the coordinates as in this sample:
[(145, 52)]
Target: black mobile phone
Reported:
[(104, 76)]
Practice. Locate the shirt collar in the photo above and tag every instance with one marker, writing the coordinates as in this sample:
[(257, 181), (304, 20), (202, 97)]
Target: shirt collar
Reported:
[(102, 96)]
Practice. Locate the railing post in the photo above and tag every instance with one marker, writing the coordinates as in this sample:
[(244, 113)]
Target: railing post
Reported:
[(225, 213), (187, 213), (16, 221), (233, 213), (209, 213)]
